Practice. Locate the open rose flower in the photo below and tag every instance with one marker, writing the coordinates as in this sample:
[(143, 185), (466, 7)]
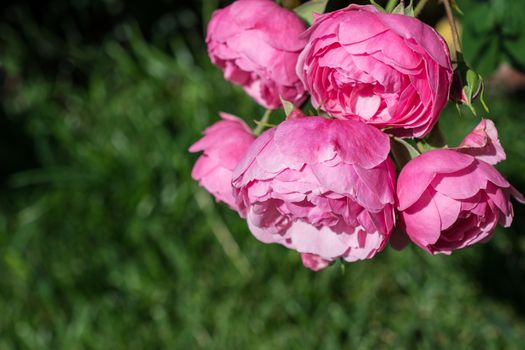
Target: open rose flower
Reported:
[(387, 70), (256, 43), (224, 143), (324, 188), (450, 200)]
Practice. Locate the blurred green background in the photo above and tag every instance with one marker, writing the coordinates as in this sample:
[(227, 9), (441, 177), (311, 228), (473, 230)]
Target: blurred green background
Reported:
[(107, 243)]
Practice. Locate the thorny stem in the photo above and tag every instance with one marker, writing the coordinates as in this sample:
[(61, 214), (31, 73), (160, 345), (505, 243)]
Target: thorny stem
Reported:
[(452, 22), (419, 7), (264, 120)]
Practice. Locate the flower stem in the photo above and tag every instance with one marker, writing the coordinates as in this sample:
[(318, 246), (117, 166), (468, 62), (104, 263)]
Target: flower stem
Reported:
[(419, 7), (264, 120), (453, 27)]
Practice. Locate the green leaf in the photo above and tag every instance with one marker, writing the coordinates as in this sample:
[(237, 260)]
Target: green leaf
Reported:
[(306, 10), (264, 124), (468, 102), (407, 10), (288, 106), (482, 98), (493, 33), (403, 151), (423, 146), (390, 5), (411, 150), (480, 40), (467, 86), (473, 87), (399, 9)]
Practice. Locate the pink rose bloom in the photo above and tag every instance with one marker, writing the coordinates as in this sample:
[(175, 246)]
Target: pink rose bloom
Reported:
[(314, 262), (449, 200), (256, 43), (224, 143), (387, 70), (324, 188), (483, 143)]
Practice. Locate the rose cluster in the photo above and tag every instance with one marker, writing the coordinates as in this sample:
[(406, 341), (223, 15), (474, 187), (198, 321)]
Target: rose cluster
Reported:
[(325, 186)]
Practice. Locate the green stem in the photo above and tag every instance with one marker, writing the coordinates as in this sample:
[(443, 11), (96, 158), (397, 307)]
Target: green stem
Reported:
[(419, 7), (453, 27), (264, 120)]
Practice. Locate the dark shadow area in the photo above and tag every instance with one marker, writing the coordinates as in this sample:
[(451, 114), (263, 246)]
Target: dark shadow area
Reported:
[(17, 151), (92, 20), (500, 269), (48, 30)]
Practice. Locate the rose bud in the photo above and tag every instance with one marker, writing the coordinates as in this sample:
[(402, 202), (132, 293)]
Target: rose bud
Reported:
[(387, 70), (256, 43), (223, 145), (449, 200), (457, 90), (324, 188)]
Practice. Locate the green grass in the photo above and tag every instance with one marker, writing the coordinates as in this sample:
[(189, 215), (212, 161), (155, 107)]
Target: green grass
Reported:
[(106, 242)]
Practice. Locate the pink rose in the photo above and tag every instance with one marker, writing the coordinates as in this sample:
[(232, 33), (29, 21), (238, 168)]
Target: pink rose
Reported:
[(314, 262), (224, 143), (483, 143), (387, 70), (322, 187), (256, 43), (449, 200)]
